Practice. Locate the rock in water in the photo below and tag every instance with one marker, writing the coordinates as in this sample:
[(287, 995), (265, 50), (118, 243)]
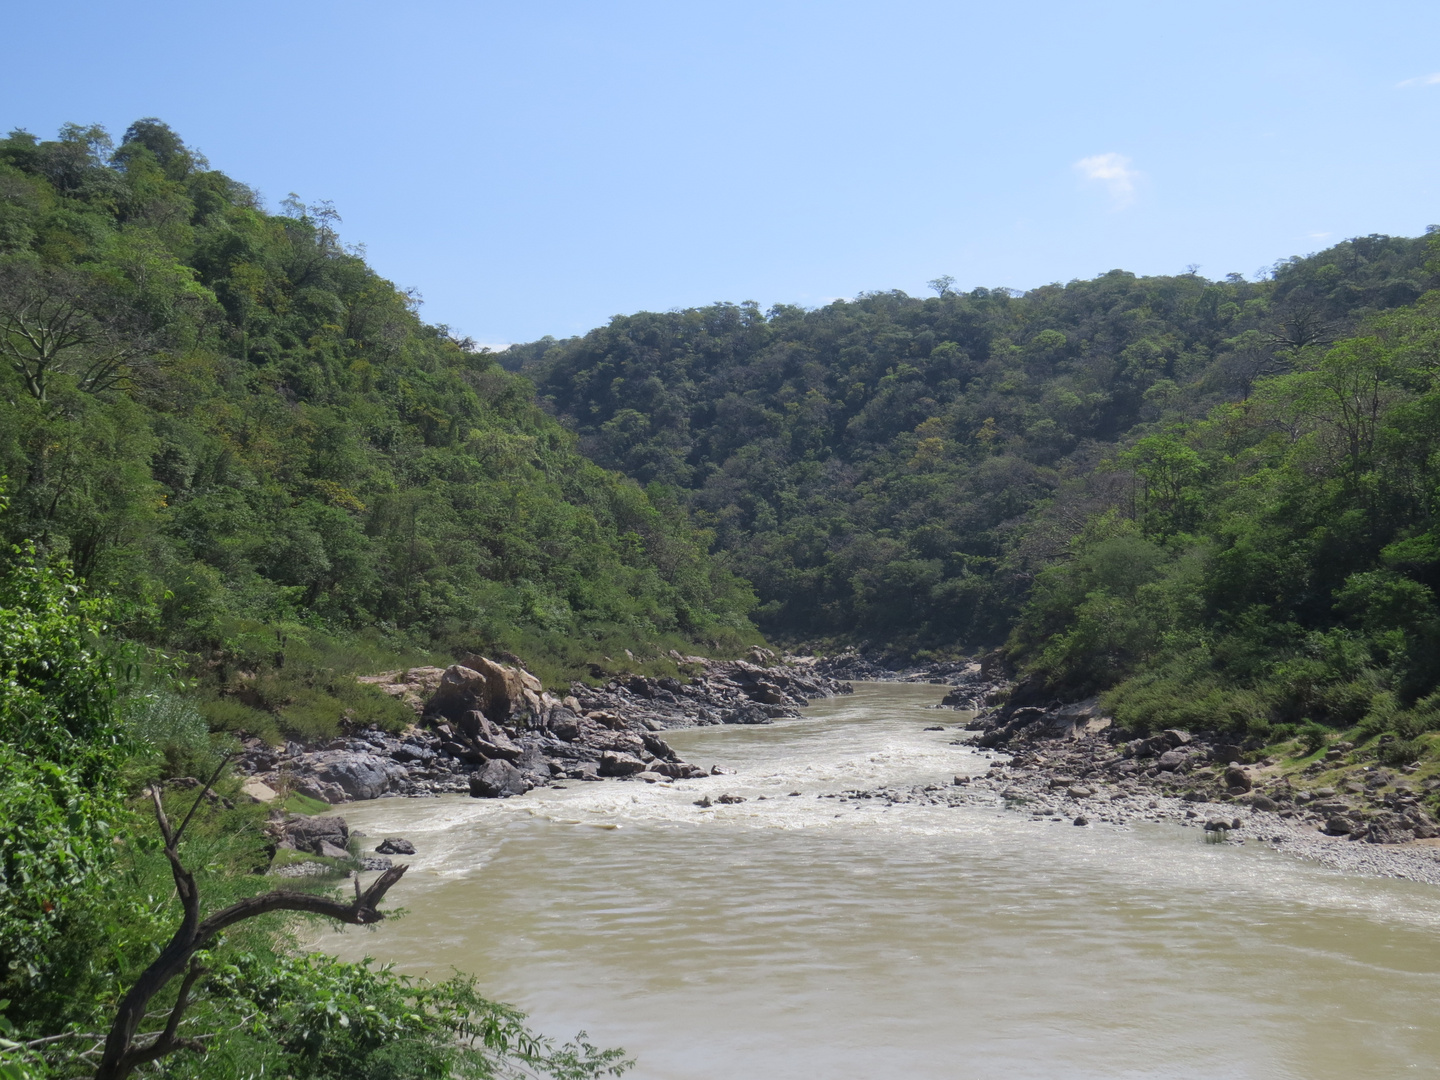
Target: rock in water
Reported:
[(1082, 820), (498, 780), (395, 845), (616, 764)]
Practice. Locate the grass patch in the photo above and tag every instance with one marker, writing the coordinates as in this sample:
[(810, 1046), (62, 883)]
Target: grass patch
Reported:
[(304, 804)]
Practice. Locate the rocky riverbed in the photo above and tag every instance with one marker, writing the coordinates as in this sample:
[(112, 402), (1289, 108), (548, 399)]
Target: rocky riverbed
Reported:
[(491, 730), (1067, 763)]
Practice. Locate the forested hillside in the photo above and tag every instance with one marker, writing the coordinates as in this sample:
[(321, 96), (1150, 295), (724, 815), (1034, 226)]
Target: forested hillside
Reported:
[(226, 418), (1221, 486)]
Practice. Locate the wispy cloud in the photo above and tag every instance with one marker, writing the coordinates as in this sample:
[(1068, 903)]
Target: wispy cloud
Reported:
[(1112, 170), (1432, 79)]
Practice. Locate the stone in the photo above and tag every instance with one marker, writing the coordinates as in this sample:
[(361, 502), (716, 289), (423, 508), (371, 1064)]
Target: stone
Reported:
[(651, 777), (361, 776), (1082, 820), (564, 722), (395, 845), (1078, 792), (330, 851), (497, 780), (1217, 825), (372, 863), (1238, 778), (615, 764), (703, 802), (1339, 825), (259, 791), (730, 800), (1171, 760), (461, 690), (312, 788), (308, 833), (1263, 802)]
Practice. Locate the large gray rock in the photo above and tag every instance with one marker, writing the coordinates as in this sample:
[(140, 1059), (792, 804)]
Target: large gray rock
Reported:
[(1171, 760), (613, 764), (361, 776), (497, 780), (395, 845), (564, 723), (308, 833)]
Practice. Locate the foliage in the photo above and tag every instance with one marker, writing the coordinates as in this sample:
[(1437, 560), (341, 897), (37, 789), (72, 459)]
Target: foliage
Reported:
[(225, 417), (896, 471), (86, 897)]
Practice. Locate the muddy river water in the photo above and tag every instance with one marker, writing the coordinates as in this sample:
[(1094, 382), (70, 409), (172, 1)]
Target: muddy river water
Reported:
[(805, 937)]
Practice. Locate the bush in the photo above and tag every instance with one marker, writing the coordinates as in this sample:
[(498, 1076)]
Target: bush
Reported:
[(1313, 737), (1400, 752)]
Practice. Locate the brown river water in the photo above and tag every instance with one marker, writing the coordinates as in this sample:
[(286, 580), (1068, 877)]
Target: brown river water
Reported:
[(800, 937)]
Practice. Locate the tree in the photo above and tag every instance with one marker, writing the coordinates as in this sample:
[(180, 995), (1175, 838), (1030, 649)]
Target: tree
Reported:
[(122, 1055), (54, 322), (941, 285)]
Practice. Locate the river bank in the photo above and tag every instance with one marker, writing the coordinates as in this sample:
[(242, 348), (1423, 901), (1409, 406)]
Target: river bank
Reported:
[(491, 730), (1068, 762)]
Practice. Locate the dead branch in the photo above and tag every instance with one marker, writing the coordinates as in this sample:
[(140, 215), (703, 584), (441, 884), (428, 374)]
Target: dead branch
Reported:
[(122, 1054)]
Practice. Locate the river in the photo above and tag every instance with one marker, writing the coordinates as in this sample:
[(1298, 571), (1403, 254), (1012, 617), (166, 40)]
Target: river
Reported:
[(805, 937)]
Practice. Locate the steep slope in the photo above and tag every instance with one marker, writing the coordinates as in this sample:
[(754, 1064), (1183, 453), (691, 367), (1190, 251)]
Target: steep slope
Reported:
[(226, 416), (897, 470)]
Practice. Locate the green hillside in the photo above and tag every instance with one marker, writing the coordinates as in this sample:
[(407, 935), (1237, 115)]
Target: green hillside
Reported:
[(225, 417), (1220, 491)]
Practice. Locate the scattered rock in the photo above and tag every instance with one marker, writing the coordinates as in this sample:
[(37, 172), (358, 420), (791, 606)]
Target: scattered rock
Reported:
[(395, 845), (497, 780)]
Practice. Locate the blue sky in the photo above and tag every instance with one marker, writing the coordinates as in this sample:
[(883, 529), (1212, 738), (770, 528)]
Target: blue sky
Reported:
[(537, 167)]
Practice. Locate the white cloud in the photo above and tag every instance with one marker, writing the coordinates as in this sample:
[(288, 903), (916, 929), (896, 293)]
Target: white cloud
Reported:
[(1112, 170), (1421, 80)]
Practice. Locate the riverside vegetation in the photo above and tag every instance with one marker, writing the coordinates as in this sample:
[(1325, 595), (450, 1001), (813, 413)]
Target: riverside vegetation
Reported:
[(242, 471)]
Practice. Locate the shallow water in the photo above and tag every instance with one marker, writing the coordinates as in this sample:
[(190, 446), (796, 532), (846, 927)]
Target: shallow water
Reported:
[(812, 938)]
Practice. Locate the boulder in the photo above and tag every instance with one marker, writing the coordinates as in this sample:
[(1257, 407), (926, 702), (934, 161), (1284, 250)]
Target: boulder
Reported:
[(330, 851), (312, 788), (307, 833), (1236, 777), (395, 845), (1339, 825), (676, 770), (620, 764), (505, 687), (361, 776), (259, 791), (564, 723), (497, 780), (1171, 760), (461, 690)]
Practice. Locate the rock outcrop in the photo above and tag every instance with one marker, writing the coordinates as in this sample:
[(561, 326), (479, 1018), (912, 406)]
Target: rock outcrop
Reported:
[(490, 729)]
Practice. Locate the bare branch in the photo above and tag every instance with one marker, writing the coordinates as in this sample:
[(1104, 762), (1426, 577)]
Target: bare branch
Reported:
[(122, 1056)]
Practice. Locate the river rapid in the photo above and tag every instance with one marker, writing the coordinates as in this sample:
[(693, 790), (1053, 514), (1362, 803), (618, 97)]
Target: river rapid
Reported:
[(808, 937)]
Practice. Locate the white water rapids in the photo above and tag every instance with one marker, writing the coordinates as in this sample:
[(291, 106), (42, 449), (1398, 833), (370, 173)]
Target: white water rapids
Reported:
[(805, 937)]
